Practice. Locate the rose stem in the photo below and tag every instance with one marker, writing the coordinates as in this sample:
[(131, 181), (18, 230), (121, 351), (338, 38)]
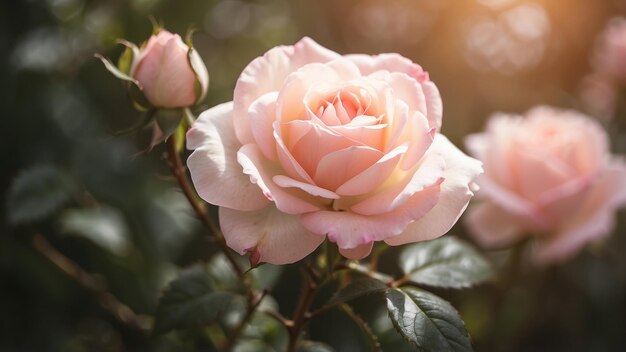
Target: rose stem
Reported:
[(179, 171), (119, 310), (294, 327)]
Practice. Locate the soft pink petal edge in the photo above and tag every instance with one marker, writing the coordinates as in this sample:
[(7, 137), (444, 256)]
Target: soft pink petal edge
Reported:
[(596, 218), (267, 74), (269, 235), (215, 172), (456, 192)]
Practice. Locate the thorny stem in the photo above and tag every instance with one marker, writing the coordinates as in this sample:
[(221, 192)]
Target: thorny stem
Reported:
[(294, 327), (179, 171), (110, 303)]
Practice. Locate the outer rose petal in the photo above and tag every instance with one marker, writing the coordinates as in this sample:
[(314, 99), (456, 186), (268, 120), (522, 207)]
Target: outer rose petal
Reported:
[(215, 173), (512, 203), (359, 252), (491, 226), (267, 74), (455, 195), (269, 235), (350, 230), (594, 220)]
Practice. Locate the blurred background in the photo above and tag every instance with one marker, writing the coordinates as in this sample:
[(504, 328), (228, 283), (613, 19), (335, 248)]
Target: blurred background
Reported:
[(113, 209)]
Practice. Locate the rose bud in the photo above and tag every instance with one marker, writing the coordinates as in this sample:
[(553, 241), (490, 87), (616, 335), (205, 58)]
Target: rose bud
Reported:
[(166, 73), (548, 175), (318, 145), (166, 76)]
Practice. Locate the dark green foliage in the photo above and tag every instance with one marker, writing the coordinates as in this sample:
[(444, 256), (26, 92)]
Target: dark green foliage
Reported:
[(445, 262), (427, 321)]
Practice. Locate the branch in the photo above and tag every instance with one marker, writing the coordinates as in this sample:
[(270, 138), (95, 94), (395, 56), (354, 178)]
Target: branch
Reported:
[(294, 327), (119, 310)]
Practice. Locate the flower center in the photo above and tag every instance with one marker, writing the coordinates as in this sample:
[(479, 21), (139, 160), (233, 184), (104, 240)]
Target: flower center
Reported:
[(344, 106)]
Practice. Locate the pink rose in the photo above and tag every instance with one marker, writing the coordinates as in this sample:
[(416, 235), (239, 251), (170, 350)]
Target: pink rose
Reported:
[(549, 174), (170, 76), (610, 55), (317, 144)]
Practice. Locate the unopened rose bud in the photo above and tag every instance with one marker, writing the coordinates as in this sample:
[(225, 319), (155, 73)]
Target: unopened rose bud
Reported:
[(169, 75), (165, 72)]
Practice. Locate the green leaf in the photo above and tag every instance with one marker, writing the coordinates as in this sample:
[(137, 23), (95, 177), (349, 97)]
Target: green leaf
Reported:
[(445, 262), (104, 226), (358, 288), (191, 300), (37, 193), (427, 321), (311, 346), (169, 120)]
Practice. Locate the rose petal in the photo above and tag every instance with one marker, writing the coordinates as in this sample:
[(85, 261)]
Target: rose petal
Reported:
[(405, 88), (428, 173), (268, 235), (374, 176), (288, 182), (594, 220), (359, 252), (215, 173), (267, 74), (491, 226), (396, 63), (538, 173), (262, 115), (434, 105), (456, 192), (287, 161), (297, 85), (350, 230), (335, 168), (391, 62), (288, 201), (512, 203), (317, 143)]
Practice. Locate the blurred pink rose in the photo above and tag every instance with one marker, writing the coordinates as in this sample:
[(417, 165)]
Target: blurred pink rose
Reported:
[(609, 58), (318, 144), (165, 73), (549, 174)]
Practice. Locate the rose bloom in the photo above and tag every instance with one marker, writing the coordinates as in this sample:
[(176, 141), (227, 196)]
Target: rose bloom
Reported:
[(609, 57), (550, 175), (317, 144), (164, 71)]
